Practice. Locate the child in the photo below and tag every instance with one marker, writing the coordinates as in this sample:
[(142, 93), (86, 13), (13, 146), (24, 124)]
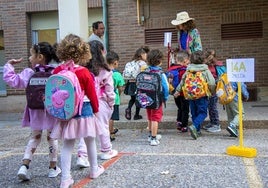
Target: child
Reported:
[(233, 111), (212, 62), (106, 96), (113, 61), (177, 70), (72, 49), (41, 55), (154, 116), (198, 106), (140, 58)]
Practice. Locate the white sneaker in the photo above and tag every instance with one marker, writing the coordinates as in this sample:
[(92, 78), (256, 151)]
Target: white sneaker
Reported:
[(214, 129), (23, 173), (109, 154), (154, 142), (54, 173), (158, 137), (82, 162)]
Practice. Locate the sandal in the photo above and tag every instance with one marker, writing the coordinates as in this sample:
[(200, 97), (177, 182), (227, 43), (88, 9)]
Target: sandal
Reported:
[(115, 131), (128, 114)]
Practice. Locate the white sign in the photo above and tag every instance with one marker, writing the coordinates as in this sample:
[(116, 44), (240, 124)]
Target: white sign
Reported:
[(167, 38), (240, 70)]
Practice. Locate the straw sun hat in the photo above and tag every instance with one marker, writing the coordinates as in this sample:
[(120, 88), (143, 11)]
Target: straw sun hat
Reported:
[(182, 17)]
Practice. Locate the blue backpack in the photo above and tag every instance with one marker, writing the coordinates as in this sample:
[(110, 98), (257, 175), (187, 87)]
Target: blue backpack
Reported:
[(175, 72)]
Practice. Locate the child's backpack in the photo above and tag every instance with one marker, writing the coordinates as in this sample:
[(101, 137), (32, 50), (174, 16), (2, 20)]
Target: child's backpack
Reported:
[(132, 69), (224, 90), (63, 95), (195, 85), (220, 69), (149, 89), (176, 73), (35, 90)]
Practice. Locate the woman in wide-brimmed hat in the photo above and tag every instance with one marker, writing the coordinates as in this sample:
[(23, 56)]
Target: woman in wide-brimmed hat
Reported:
[(188, 35)]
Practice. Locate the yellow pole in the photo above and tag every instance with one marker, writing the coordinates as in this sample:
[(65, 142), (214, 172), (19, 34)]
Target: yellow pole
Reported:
[(240, 107), (241, 150)]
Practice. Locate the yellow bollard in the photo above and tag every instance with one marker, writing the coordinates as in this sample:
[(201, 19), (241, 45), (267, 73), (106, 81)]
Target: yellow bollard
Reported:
[(240, 150)]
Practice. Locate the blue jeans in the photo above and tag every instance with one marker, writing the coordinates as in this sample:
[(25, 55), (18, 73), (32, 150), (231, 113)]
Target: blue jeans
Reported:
[(199, 109)]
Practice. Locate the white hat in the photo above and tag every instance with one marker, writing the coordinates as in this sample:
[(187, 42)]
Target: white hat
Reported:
[(182, 17)]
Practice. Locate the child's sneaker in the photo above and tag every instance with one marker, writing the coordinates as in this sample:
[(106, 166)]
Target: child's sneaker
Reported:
[(67, 183), (193, 132), (154, 142), (184, 129), (82, 162), (109, 154), (214, 129), (232, 130), (23, 173), (52, 173), (98, 173), (179, 124), (206, 127), (158, 137)]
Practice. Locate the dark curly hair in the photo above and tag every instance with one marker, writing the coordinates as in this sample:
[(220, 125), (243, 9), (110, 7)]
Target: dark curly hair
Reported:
[(98, 60), (73, 47), (155, 57)]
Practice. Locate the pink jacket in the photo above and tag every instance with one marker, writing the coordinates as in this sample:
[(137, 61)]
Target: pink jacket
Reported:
[(36, 119), (105, 87)]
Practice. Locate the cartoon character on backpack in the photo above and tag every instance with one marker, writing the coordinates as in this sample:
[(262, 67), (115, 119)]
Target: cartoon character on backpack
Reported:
[(58, 102), (63, 94)]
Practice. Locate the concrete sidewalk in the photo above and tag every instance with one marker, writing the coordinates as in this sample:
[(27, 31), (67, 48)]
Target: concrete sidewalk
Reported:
[(179, 161), (256, 113)]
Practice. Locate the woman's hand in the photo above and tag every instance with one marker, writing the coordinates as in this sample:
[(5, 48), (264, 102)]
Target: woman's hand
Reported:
[(15, 61)]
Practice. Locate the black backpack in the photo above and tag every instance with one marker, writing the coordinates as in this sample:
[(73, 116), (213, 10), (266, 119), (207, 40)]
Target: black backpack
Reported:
[(149, 89), (35, 90)]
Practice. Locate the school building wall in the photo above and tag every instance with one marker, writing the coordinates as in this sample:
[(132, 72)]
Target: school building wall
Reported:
[(127, 26)]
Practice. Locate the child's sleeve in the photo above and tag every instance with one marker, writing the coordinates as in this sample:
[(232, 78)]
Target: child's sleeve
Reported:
[(14, 80), (165, 86), (244, 91), (211, 82)]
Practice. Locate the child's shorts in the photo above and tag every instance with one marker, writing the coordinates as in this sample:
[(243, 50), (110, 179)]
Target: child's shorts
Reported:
[(115, 115), (155, 114)]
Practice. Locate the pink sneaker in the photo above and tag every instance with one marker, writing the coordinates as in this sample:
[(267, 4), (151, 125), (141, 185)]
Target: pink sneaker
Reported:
[(66, 183), (98, 173)]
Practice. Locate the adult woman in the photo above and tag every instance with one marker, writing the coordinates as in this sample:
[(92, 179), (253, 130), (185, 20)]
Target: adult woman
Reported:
[(188, 35)]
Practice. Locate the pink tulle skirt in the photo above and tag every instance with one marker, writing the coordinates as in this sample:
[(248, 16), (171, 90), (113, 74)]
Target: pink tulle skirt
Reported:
[(75, 128)]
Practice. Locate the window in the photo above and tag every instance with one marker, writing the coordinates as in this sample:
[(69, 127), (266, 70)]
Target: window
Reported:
[(2, 48)]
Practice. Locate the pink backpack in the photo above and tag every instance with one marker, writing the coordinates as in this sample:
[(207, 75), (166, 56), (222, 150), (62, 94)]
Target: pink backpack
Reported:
[(63, 93)]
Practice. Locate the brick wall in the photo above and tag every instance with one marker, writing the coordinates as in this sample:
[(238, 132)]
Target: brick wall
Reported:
[(126, 35)]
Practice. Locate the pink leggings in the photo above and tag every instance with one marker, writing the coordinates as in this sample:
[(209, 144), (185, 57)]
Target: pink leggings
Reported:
[(35, 141)]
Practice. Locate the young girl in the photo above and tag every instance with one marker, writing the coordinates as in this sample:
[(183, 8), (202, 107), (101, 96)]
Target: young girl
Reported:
[(41, 55), (154, 116), (105, 90), (140, 57), (73, 51)]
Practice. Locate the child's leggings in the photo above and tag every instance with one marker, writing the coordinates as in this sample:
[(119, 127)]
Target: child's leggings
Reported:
[(35, 141), (66, 156)]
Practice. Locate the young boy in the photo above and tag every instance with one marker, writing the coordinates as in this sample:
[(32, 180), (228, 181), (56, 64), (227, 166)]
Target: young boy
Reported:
[(176, 71), (232, 109), (154, 116), (113, 61), (198, 105)]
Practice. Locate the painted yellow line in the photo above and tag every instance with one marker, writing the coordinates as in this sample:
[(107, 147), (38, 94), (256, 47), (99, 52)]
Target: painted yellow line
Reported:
[(254, 179)]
